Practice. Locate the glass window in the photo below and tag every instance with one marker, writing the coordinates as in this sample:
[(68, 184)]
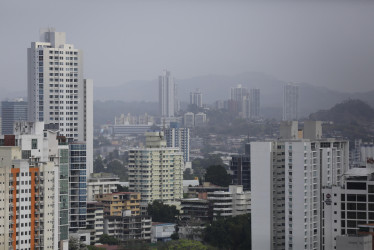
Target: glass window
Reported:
[(34, 143)]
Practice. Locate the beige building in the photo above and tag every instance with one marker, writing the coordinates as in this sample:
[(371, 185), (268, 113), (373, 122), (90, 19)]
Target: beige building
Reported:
[(115, 203), (156, 171)]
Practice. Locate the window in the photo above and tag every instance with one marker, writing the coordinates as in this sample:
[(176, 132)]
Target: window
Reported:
[(34, 143)]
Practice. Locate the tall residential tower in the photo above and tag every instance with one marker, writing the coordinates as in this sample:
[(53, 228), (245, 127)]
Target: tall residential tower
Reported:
[(196, 98), (57, 92), (254, 106), (167, 91), (290, 102)]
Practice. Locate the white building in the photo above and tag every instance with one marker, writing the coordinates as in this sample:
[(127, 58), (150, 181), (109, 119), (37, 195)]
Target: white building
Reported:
[(287, 177), (348, 206), (101, 183), (156, 172), (29, 180), (367, 151), (167, 94), (161, 232), (231, 203), (57, 91), (354, 242), (196, 98), (290, 102), (246, 107)]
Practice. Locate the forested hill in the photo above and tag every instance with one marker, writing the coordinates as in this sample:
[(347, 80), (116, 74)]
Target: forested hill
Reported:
[(346, 112), (352, 119)]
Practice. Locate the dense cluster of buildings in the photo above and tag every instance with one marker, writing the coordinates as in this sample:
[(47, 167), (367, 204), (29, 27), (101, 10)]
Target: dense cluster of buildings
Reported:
[(303, 191)]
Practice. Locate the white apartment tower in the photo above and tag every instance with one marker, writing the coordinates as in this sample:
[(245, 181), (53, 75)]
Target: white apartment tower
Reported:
[(290, 102), (287, 178), (156, 172), (57, 92), (167, 94)]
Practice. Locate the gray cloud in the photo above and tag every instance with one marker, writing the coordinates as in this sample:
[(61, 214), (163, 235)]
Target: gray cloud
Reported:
[(324, 43)]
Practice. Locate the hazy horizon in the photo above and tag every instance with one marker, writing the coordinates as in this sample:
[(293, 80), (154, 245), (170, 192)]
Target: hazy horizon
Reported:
[(321, 43)]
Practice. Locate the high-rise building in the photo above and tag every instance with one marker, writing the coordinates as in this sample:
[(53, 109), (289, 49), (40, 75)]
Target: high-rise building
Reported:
[(77, 186), (12, 111), (156, 171), (63, 190), (287, 178), (57, 92), (177, 137), (254, 106), (189, 120), (33, 214), (290, 102), (166, 94), (240, 168), (237, 95), (246, 108), (200, 119), (196, 98)]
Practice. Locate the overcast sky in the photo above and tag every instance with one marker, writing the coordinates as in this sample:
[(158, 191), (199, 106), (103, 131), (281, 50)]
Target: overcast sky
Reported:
[(324, 43)]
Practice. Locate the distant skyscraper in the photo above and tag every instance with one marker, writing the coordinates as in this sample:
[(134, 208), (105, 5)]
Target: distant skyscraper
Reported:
[(57, 92), (200, 119), (176, 136), (290, 102), (237, 95), (196, 98), (189, 120), (246, 107), (254, 106), (12, 111), (166, 97)]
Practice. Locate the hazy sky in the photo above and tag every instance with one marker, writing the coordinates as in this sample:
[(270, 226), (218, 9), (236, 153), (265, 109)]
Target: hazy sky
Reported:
[(324, 43)]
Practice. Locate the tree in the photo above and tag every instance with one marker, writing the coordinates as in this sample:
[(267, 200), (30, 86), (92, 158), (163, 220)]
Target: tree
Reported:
[(121, 188), (183, 244), (75, 244), (161, 212), (110, 240), (187, 175), (98, 165), (174, 236), (230, 233), (199, 166), (218, 175)]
